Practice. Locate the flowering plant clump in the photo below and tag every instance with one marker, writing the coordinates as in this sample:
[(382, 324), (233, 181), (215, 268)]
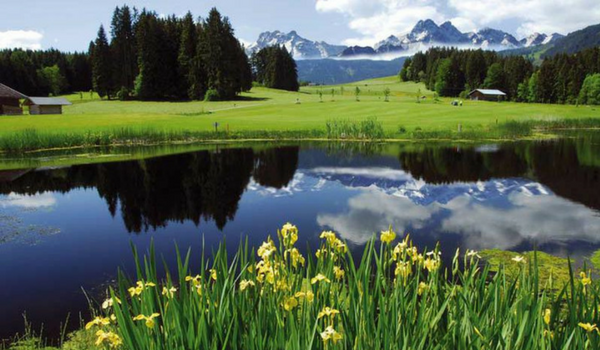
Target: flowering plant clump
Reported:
[(394, 296)]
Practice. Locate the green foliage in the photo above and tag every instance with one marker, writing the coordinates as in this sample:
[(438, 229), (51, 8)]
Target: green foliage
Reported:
[(495, 78), (102, 65), (386, 94), (44, 72), (394, 294), (123, 48), (52, 79), (590, 91), (123, 94), (275, 68), (223, 58), (369, 128), (212, 95), (551, 268), (357, 93)]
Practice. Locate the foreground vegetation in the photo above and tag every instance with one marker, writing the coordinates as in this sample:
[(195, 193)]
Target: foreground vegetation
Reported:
[(394, 297), (272, 114)]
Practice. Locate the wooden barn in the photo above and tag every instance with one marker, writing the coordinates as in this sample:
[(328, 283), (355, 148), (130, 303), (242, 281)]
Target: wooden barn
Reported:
[(46, 105), (487, 95), (10, 101)]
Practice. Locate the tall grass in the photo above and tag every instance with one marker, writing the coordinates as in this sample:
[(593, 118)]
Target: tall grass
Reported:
[(395, 297), (368, 128), (31, 139)]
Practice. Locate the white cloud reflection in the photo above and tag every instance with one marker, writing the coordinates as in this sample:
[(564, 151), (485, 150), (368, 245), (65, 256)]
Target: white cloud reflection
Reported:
[(502, 220), (43, 200)]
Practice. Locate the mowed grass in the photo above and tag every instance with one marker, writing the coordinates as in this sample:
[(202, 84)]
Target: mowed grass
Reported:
[(271, 110)]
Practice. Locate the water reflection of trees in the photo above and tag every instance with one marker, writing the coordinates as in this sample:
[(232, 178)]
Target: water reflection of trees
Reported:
[(563, 166), (188, 187)]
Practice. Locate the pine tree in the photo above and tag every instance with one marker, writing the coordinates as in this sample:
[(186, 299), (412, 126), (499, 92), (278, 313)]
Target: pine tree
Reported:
[(123, 48), (187, 54), (475, 70), (226, 68), (102, 65)]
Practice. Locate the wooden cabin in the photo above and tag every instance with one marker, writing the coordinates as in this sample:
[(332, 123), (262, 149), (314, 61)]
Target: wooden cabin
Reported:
[(487, 95), (10, 101), (46, 105)]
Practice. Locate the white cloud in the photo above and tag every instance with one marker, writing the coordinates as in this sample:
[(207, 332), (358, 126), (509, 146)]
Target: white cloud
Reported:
[(377, 19), (544, 16), (44, 200), (25, 39)]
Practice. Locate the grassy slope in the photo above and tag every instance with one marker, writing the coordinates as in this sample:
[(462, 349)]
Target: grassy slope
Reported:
[(265, 109)]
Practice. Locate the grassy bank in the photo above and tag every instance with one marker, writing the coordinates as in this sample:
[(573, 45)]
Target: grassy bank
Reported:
[(394, 297), (272, 114)]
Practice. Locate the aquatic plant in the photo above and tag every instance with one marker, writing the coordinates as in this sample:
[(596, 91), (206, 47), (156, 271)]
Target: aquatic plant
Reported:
[(396, 296)]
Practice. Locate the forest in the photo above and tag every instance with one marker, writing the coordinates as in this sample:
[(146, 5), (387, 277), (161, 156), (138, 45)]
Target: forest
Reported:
[(562, 78), (44, 73)]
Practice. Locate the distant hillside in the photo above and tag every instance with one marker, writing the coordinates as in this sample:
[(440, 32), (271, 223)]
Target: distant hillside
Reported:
[(572, 43), (576, 41), (329, 71)]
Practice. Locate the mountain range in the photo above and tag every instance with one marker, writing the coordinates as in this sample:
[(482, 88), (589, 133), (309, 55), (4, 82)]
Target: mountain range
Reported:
[(423, 35)]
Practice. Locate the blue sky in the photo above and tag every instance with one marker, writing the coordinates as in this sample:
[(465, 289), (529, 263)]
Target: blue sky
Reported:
[(70, 24)]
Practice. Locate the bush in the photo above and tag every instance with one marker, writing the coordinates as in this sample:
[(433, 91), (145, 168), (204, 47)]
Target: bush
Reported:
[(212, 95), (401, 129), (123, 94)]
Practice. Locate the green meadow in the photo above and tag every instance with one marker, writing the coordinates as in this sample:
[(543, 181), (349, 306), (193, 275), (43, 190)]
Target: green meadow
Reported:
[(266, 114)]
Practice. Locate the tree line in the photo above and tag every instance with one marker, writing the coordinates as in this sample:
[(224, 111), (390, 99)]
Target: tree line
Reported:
[(43, 73), (151, 57), (563, 78)]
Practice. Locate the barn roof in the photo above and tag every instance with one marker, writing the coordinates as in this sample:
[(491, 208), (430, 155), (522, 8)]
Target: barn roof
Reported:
[(47, 101), (7, 92), (491, 92)]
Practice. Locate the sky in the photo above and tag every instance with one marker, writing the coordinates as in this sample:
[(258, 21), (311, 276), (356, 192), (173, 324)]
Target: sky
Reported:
[(70, 25)]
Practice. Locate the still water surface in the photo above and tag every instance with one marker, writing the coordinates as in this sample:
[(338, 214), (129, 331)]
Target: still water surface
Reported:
[(66, 230)]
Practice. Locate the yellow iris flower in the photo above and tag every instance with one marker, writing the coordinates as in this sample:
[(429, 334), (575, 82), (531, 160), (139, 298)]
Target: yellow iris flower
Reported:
[(388, 236), (290, 303), (111, 338), (319, 278), (331, 334), (149, 319), (338, 272), (589, 327), (245, 284), (169, 292), (547, 315), (98, 321), (329, 312)]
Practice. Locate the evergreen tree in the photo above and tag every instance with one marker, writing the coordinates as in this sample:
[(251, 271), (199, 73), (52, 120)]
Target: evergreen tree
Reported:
[(123, 48), (475, 70), (102, 65), (222, 57), (187, 55)]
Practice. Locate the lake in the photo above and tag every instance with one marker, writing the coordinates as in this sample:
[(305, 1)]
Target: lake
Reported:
[(67, 230)]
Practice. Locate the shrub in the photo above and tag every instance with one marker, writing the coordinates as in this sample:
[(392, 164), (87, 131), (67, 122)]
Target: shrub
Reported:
[(212, 95), (123, 94)]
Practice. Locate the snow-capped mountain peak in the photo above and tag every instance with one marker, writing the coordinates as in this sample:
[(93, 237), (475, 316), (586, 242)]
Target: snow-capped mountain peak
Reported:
[(425, 34), (299, 47)]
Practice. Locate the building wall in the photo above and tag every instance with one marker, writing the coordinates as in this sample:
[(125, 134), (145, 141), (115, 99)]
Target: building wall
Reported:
[(10, 106), (36, 109)]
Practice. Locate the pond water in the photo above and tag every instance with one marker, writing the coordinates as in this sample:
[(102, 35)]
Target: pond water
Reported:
[(69, 229)]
